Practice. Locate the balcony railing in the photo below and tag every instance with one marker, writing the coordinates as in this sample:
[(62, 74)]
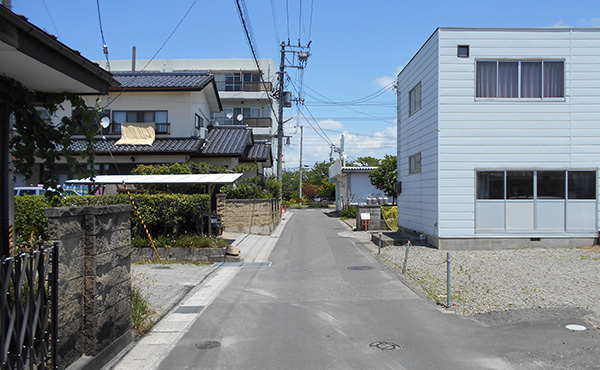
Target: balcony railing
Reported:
[(258, 121), (258, 86), (254, 86)]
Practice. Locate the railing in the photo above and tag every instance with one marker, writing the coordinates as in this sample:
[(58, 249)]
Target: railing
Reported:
[(258, 121), (253, 86), (257, 86), (28, 305)]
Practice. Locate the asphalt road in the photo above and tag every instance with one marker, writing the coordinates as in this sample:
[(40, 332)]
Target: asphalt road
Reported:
[(325, 303)]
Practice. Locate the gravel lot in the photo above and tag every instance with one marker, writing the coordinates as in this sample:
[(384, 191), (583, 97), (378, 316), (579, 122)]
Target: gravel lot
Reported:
[(506, 280)]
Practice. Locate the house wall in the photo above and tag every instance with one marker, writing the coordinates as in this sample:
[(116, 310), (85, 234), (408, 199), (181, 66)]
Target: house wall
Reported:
[(417, 204), (511, 134), (360, 188), (181, 107)]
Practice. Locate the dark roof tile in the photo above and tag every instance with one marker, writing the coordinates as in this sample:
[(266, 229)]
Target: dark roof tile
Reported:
[(230, 139), (170, 145), (163, 80)]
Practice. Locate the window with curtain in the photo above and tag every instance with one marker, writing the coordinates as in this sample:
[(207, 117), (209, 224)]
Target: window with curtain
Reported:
[(520, 79)]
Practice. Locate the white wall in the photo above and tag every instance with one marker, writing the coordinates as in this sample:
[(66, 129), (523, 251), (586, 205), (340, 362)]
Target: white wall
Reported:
[(360, 188), (506, 134), (181, 107), (417, 204)]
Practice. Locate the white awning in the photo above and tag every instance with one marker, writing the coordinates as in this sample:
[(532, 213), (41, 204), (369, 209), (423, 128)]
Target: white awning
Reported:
[(213, 178)]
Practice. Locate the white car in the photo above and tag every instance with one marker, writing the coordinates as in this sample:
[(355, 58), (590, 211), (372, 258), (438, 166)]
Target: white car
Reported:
[(38, 190)]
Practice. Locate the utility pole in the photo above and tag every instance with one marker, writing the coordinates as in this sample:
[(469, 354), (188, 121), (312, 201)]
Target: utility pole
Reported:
[(280, 118), (301, 53), (301, 138)]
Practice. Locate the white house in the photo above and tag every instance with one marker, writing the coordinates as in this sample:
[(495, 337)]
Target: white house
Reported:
[(498, 138), (353, 186)]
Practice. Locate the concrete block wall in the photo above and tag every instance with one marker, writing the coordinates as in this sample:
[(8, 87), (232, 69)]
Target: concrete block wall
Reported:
[(376, 223), (94, 279), (252, 216)]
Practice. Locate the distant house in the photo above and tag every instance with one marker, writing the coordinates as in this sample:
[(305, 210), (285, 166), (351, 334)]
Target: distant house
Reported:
[(353, 186), (498, 133), (175, 107), (243, 91)]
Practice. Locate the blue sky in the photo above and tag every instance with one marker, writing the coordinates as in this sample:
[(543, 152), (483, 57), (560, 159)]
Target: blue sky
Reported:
[(357, 48)]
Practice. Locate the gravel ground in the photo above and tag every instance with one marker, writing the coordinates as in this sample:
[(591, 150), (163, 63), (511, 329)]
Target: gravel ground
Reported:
[(505, 280)]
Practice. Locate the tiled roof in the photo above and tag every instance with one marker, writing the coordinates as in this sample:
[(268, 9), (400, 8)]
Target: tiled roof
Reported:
[(163, 80), (227, 140), (167, 145), (260, 151)]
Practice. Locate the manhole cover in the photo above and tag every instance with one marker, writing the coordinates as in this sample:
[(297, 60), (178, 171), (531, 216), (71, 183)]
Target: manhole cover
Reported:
[(162, 267), (360, 268), (209, 344), (385, 346)]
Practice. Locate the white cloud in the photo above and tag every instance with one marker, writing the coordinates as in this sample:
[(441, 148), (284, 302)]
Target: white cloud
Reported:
[(583, 23), (384, 81)]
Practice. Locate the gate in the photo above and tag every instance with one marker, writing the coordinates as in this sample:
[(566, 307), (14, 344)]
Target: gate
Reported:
[(28, 304)]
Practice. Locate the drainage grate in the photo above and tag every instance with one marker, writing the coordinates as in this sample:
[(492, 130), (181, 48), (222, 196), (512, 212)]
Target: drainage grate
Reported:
[(385, 346), (188, 309), (162, 267), (360, 268), (246, 264), (209, 344)]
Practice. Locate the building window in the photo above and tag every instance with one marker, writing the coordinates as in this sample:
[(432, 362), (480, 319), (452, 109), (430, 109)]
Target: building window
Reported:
[(414, 97), (490, 185), (548, 185), (519, 184), (462, 51), (199, 122), (582, 185), (160, 118), (551, 184), (414, 163), (520, 79)]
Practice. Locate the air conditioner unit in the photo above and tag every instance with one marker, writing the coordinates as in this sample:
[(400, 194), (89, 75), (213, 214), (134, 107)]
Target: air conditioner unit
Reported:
[(203, 132)]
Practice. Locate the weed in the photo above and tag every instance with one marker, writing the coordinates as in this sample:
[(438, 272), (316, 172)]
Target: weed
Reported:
[(141, 310)]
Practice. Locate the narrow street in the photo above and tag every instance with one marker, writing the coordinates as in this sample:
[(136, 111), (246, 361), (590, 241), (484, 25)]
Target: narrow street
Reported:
[(325, 303)]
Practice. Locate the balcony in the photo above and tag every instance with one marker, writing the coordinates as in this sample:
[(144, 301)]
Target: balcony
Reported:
[(258, 121), (253, 86), (257, 86)]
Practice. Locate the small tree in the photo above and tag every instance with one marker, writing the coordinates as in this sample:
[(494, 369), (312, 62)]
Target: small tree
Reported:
[(384, 176), (35, 136)]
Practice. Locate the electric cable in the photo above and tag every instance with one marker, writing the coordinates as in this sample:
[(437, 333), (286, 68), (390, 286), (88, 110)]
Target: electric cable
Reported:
[(158, 51), (104, 45), (51, 19)]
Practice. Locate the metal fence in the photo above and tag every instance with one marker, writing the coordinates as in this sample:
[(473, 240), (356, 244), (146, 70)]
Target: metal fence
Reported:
[(28, 304)]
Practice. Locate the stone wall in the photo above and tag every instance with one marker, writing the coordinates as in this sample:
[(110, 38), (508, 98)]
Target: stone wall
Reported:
[(94, 280), (252, 216), (377, 222)]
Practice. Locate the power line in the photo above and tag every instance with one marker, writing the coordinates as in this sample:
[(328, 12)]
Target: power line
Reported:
[(104, 45), (158, 51), (250, 38), (51, 19)]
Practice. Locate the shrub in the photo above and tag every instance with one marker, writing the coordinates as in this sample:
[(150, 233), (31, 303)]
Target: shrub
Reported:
[(348, 212), (163, 214)]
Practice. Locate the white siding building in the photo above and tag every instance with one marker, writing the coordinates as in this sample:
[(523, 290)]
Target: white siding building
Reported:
[(499, 138)]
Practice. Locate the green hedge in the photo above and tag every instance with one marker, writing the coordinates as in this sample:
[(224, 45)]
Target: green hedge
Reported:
[(164, 214)]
